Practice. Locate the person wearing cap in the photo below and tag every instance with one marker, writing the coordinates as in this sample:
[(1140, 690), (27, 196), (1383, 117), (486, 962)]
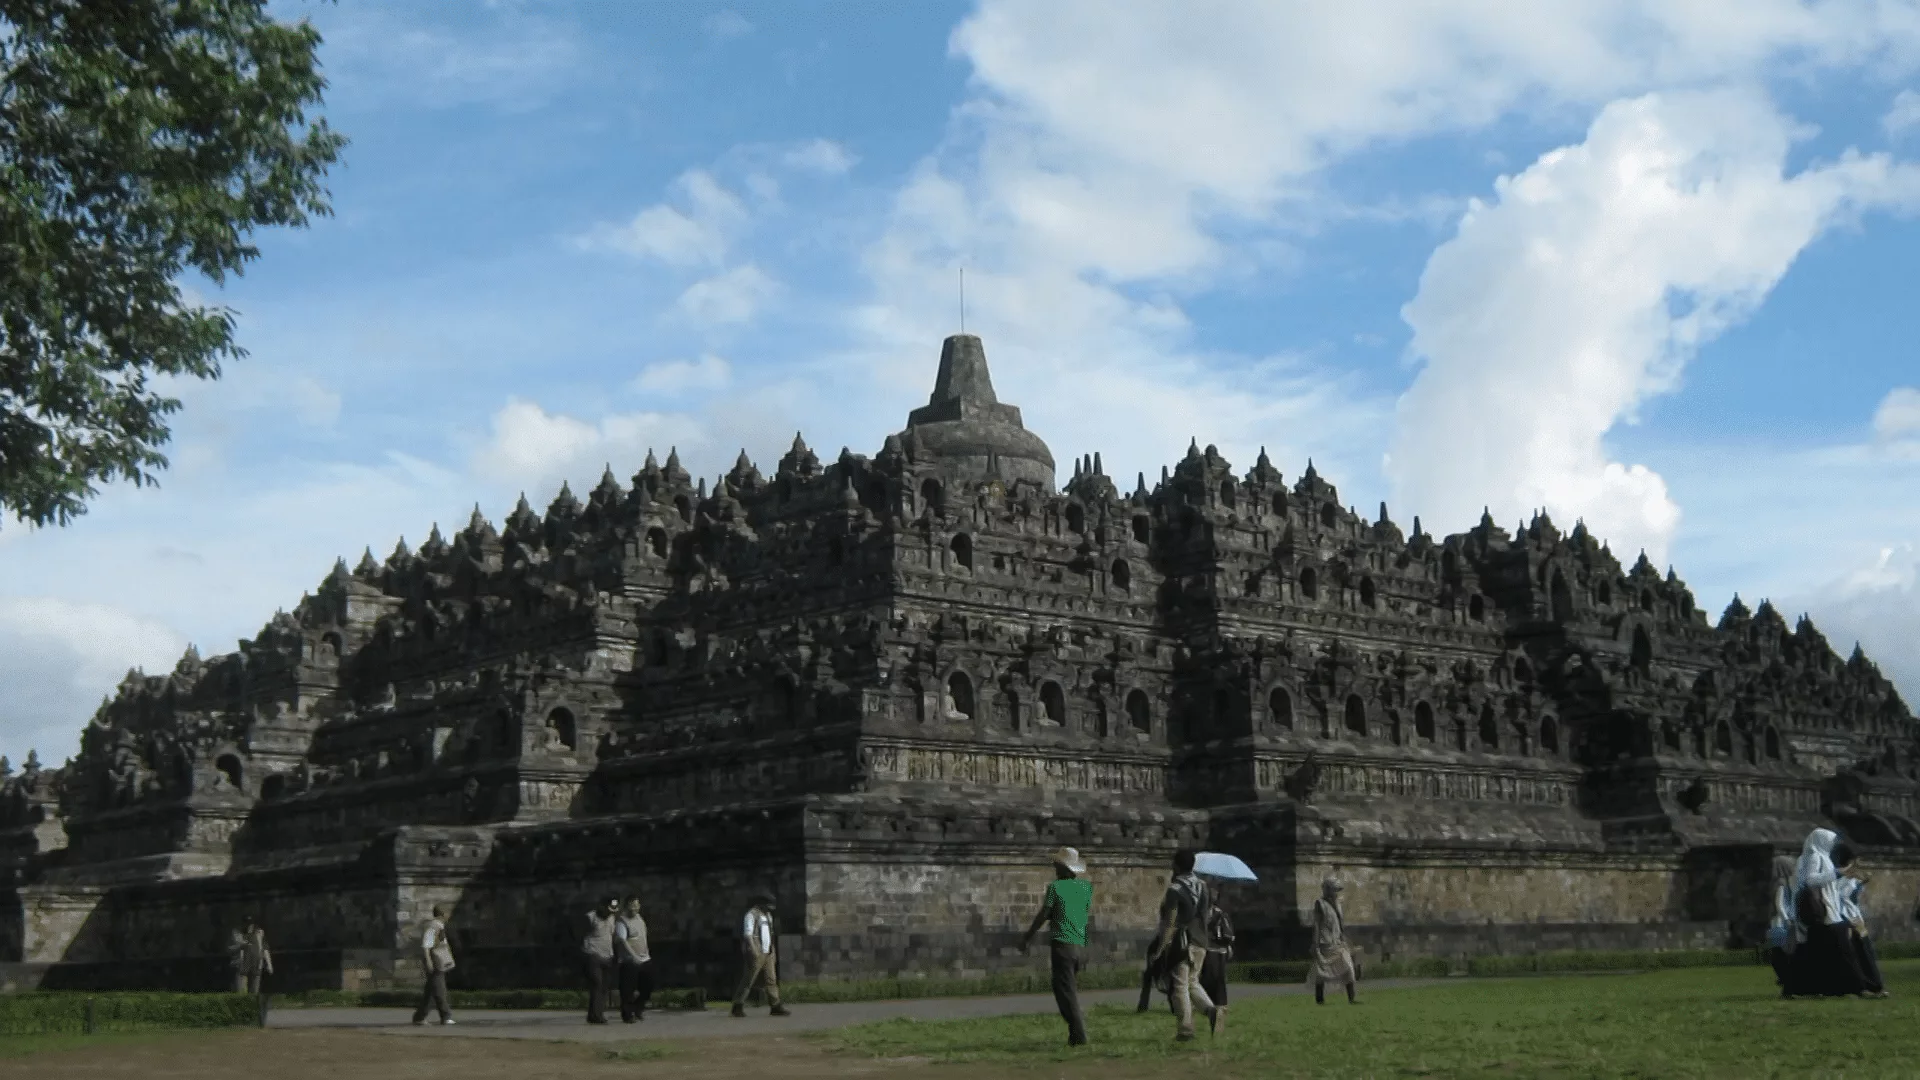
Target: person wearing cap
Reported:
[(1066, 907), (758, 964)]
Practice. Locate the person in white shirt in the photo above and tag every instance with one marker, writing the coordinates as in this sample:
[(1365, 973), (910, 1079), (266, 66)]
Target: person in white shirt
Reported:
[(757, 960), (436, 958), (636, 962)]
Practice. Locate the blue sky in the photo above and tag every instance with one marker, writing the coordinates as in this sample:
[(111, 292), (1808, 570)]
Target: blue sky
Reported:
[(1650, 264)]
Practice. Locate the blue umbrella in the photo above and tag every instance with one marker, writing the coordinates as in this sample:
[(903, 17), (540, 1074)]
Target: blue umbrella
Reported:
[(1215, 864)]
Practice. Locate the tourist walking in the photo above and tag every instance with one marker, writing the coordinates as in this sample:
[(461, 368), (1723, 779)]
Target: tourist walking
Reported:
[(1852, 884), (1065, 907), (436, 959), (596, 952), (249, 957), (1181, 943), (1781, 933), (1213, 971), (636, 962), (1824, 963), (1332, 959), (758, 963)]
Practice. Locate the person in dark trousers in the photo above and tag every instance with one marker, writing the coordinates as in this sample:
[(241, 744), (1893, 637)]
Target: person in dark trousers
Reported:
[(1853, 882), (436, 959), (1824, 964), (1066, 907), (636, 963), (252, 961), (597, 953), (759, 962), (1213, 971)]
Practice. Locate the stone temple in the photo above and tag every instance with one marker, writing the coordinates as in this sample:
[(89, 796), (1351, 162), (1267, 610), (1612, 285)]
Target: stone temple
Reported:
[(884, 688)]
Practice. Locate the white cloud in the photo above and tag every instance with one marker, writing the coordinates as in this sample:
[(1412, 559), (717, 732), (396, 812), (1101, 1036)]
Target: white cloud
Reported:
[(58, 659), (1904, 114), (1115, 158), (734, 296), (509, 59), (822, 156), (1583, 290), (1877, 605), (534, 450), (1897, 419), (727, 24), (696, 236), (670, 377)]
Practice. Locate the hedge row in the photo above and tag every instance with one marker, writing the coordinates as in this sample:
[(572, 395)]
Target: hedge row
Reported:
[(1038, 981), (1546, 963), (58, 1013), (571, 1000)]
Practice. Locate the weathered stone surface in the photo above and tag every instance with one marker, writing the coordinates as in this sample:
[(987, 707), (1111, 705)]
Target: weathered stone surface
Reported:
[(884, 687)]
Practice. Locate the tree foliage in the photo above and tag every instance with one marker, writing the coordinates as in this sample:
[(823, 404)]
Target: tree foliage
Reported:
[(139, 140)]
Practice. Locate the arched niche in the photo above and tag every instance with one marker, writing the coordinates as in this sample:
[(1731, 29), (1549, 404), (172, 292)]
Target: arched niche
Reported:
[(960, 700), (962, 548), (1423, 721), (1053, 703), (1280, 709), (229, 767), (562, 727), (1139, 711), (1356, 715), (1560, 598)]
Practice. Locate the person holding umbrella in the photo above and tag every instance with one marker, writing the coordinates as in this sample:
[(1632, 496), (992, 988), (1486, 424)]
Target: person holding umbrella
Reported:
[(1220, 869)]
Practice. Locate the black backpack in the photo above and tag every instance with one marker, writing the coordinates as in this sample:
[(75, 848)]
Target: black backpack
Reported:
[(1198, 931)]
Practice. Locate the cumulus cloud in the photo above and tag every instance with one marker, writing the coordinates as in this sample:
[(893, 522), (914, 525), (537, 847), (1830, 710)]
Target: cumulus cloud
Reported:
[(1897, 419), (58, 658), (670, 377), (1904, 114), (1114, 158), (696, 233), (1582, 290), (734, 296), (534, 449), (1877, 605), (823, 156), (727, 24)]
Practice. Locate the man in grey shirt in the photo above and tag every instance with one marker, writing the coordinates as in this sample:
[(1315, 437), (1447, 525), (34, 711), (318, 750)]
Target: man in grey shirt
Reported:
[(247, 952), (436, 959), (597, 950), (636, 962)]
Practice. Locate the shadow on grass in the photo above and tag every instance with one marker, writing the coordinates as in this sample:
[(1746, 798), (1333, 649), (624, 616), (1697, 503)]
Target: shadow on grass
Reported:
[(1688, 1023)]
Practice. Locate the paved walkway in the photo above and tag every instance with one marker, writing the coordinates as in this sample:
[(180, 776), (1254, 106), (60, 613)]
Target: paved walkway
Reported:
[(715, 1022)]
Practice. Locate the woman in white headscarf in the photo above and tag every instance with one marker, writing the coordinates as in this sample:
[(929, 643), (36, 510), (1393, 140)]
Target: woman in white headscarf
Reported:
[(1824, 964), (1332, 960)]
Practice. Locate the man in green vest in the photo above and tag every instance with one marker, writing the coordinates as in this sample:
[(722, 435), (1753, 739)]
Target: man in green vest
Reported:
[(1066, 906)]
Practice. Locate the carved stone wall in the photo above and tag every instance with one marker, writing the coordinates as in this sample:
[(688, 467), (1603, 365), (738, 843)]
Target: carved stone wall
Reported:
[(887, 686)]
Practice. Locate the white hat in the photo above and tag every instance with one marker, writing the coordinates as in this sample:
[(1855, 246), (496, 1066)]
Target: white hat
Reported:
[(1069, 858)]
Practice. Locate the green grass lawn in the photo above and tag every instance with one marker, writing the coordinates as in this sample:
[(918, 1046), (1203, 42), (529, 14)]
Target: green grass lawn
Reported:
[(1702, 1022)]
